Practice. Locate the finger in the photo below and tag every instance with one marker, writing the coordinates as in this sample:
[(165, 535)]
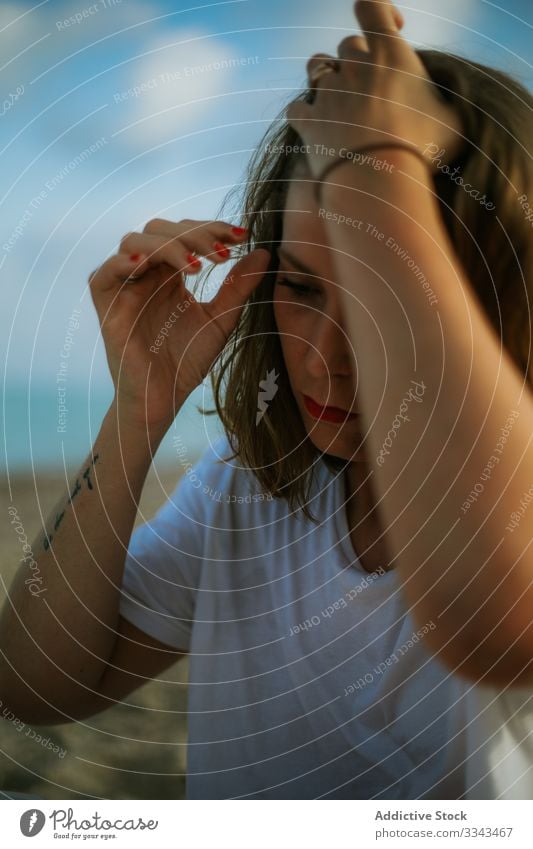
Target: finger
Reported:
[(318, 59), (112, 273), (210, 239), (179, 228), (381, 24), (354, 54), (157, 249), (322, 71), (237, 287), (200, 236), (352, 46)]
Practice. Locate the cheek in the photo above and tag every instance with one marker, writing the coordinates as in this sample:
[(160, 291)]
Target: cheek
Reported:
[(294, 317), (289, 343), (295, 350), (281, 310), (294, 325)]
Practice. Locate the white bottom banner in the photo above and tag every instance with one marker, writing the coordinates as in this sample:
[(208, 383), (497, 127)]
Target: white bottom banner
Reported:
[(313, 823)]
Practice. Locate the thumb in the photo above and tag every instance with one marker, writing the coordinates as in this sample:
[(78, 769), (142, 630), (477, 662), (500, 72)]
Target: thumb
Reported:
[(237, 287)]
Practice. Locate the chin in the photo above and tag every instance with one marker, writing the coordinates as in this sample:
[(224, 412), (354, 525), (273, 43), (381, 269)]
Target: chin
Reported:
[(338, 448)]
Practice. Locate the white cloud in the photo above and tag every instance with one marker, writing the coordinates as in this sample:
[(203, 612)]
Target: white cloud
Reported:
[(173, 84)]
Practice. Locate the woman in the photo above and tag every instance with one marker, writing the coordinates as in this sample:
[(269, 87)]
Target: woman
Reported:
[(356, 612)]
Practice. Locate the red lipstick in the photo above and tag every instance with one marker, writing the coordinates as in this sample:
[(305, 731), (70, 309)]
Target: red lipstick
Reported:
[(329, 414)]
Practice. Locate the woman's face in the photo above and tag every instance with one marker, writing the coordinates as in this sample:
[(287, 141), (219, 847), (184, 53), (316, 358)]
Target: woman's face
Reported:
[(318, 356)]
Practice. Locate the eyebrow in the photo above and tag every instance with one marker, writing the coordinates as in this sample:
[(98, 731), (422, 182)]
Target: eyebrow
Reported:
[(296, 262)]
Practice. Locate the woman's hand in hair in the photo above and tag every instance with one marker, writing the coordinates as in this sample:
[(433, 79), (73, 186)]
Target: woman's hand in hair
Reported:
[(160, 340), (381, 92)]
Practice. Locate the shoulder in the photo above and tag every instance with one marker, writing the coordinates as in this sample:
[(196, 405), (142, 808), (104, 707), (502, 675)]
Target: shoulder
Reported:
[(215, 465), (219, 479), (218, 476)]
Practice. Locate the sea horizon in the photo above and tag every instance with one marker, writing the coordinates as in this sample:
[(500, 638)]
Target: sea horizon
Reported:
[(37, 434)]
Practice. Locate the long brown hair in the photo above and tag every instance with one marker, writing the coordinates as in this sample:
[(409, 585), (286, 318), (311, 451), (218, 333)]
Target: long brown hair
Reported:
[(493, 242)]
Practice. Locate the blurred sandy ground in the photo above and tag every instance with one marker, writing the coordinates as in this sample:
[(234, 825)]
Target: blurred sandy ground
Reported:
[(130, 751)]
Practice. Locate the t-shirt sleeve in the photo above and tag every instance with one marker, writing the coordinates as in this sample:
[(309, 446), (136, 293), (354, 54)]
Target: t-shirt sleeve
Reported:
[(500, 734), (164, 560)]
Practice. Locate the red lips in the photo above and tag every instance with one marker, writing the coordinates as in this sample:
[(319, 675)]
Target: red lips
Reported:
[(329, 414)]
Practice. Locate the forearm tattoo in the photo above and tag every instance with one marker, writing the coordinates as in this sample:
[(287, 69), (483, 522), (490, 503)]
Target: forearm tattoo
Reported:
[(86, 476)]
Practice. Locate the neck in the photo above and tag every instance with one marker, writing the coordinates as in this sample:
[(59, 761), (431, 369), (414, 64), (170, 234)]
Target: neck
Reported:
[(358, 489)]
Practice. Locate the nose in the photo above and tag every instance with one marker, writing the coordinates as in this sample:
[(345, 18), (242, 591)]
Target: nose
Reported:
[(328, 351)]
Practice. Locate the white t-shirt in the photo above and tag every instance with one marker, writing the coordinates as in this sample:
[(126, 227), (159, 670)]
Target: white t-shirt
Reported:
[(307, 676), (500, 743)]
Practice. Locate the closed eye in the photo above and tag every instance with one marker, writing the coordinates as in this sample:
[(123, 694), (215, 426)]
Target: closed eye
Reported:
[(298, 288)]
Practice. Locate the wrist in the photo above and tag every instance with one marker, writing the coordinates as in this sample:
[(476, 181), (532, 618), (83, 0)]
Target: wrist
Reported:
[(132, 429), (373, 169)]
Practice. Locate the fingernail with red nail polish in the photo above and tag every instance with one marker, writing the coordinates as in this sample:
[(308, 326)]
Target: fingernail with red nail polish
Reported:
[(221, 249), (135, 257), (193, 260), (239, 231)]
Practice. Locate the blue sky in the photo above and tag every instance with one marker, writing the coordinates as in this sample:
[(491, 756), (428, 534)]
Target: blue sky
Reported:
[(172, 149)]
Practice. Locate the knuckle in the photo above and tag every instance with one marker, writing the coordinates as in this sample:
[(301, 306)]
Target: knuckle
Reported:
[(181, 227), (352, 43), (318, 57), (126, 240), (115, 261), (312, 61), (98, 275), (192, 228), (153, 226)]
